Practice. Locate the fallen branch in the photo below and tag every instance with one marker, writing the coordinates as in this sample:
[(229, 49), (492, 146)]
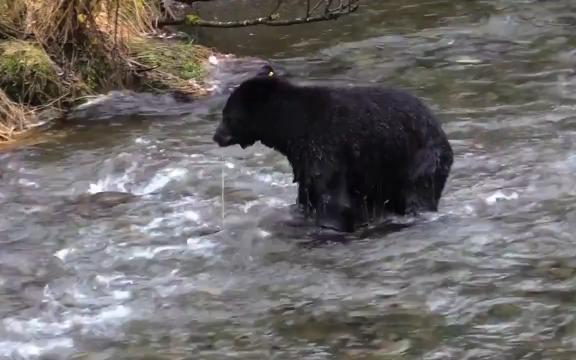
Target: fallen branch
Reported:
[(273, 18)]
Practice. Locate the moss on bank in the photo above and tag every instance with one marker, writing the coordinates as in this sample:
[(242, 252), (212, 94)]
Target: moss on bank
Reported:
[(53, 52), (171, 64), (27, 74)]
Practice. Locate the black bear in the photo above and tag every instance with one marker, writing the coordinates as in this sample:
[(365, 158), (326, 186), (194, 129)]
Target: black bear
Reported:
[(357, 153)]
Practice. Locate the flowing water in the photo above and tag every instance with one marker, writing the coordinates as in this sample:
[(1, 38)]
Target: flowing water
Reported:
[(140, 239)]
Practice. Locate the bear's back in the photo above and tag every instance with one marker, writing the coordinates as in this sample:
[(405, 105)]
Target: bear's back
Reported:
[(374, 115)]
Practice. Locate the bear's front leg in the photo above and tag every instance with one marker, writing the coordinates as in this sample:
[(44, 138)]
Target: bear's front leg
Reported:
[(333, 204), (335, 214)]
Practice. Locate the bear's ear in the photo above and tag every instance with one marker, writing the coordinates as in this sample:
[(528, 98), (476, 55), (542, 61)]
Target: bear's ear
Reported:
[(267, 71), (260, 89)]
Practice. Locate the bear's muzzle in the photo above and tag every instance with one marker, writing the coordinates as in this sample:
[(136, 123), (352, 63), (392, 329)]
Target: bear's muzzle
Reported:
[(223, 137)]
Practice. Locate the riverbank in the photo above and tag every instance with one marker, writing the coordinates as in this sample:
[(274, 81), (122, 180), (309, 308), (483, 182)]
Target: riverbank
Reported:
[(55, 54)]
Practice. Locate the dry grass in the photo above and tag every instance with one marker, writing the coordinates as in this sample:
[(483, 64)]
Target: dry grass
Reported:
[(82, 37), (174, 65), (132, 19), (76, 21), (27, 74), (12, 18), (14, 118)]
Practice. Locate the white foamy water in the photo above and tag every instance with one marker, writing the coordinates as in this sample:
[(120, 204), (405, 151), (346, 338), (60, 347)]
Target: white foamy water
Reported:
[(501, 196), (33, 350), (163, 178)]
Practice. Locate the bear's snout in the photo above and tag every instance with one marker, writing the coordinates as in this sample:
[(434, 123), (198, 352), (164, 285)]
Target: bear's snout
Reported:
[(223, 137)]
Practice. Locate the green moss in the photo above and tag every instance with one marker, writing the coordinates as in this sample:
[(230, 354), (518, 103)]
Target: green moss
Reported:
[(27, 74), (99, 72), (192, 19), (172, 63), (191, 70)]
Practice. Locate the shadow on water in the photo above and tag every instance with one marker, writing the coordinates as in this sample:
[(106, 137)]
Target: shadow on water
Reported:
[(289, 224), (323, 237)]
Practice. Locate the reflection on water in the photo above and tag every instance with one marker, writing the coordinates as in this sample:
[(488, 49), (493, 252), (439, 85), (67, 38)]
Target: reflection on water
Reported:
[(114, 245)]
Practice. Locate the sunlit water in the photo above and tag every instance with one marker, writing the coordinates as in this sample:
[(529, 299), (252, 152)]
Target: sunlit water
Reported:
[(191, 255)]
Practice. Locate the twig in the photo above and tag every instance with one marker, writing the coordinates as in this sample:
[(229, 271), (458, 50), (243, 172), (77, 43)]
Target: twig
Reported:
[(117, 15), (328, 5), (318, 3), (329, 14)]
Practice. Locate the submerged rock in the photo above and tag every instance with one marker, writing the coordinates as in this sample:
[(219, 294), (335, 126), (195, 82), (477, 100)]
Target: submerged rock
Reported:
[(98, 204), (106, 198), (127, 103)]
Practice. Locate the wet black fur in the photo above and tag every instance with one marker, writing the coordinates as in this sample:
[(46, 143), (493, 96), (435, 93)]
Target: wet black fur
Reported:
[(357, 153)]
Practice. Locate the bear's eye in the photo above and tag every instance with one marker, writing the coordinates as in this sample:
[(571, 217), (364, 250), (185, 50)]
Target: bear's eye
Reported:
[(233, 119)]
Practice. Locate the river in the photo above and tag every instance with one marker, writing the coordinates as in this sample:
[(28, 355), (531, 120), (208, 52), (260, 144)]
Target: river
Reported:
[(141, 239)]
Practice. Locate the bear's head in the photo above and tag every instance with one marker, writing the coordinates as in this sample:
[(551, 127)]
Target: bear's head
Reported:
[(250, 108)]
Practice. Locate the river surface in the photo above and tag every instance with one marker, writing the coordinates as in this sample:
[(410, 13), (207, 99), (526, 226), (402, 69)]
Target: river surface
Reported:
[(140, 239)]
